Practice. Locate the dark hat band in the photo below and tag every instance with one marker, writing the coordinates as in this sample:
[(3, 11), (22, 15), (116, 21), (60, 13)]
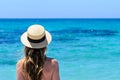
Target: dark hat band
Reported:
[(36, 41)]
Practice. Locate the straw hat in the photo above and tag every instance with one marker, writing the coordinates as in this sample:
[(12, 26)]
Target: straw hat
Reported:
[(36, 37)]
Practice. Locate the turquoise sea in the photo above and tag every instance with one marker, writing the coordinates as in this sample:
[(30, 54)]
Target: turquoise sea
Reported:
[(87, 49)]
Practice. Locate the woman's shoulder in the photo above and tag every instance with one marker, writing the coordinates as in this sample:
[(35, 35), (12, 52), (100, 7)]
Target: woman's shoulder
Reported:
[(20, 62), (51, 63), (52, 60)]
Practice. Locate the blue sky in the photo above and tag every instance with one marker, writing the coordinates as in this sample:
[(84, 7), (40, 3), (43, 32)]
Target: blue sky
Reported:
[(60, 9)]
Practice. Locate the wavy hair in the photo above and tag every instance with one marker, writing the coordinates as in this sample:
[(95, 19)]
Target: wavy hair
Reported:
[(34, 61)]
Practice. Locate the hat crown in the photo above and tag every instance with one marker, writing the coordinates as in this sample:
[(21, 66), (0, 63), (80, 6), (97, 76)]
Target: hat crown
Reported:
[(36, 32)]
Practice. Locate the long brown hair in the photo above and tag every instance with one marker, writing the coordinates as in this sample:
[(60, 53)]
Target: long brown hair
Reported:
[(34, 59)]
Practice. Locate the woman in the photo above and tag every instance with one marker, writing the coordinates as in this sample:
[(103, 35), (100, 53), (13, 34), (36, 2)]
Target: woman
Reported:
[(35, 65)]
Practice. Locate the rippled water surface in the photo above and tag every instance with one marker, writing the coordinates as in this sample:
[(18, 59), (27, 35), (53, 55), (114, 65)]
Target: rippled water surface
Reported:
[(87, 49)]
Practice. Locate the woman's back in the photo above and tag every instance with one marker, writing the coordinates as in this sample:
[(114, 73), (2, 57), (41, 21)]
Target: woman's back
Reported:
[(50, 70), (36, 65)]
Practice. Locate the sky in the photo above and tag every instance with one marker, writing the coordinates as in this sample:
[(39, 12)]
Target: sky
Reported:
[(60, 9)]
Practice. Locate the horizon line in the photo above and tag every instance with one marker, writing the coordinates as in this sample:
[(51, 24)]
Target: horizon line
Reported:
[(59, 18)]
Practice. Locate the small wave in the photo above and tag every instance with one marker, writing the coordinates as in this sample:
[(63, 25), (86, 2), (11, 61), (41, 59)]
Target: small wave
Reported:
[(1, 30), (10, 37), (86, 32), (11, 62)]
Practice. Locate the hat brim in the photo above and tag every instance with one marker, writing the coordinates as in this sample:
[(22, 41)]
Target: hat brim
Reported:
[(42, 44)]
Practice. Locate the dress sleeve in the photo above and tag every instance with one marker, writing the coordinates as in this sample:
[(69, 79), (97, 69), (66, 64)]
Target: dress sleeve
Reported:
[(55, 75)]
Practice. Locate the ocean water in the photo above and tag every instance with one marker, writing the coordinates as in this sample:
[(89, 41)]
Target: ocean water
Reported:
[(87, 49)]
